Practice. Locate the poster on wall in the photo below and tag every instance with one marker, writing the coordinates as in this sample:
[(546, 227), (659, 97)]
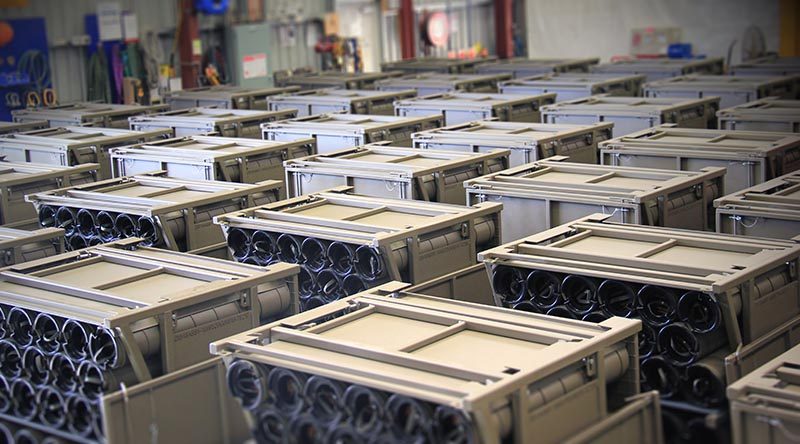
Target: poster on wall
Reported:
[(254, 65), (109, 21)]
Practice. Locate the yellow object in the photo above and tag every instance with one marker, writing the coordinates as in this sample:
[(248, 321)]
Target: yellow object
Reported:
[(789, 28)]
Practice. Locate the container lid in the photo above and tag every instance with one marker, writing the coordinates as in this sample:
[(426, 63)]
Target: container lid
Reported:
[(473, 100), (205, 147), (777, 196), (632, 106), (438, 79), (722, 83), (345, 96), (767, 109), (13, 173), (349, 123), (508, 132), (209, 116), (78, 136)]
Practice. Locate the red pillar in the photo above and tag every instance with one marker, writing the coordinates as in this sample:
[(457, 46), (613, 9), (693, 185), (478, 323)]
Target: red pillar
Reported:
[(504, 35), (189, 33), (406, 15)]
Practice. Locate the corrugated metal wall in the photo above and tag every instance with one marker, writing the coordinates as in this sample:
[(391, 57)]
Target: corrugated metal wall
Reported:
[(65, 22)]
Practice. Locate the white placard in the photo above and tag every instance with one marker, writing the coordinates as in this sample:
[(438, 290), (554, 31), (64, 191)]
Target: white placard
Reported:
[(130, 26), (254, 65), (109, 21)]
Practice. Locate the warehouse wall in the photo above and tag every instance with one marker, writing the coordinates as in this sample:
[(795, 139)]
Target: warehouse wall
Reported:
[(65, 21), (575, 28)]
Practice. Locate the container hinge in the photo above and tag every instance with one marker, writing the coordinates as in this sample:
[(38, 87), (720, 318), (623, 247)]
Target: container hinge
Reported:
[(792, 269), (591, 366), (244, 299)]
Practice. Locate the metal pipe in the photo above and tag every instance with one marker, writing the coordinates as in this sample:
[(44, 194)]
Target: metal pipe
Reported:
[(657, 305), (286, 386), (580, 294), (658, 374), (82, 416), (345, 434), (410, 418), (27, 436), (47, 333), (239, 242), (65, 219), (86, 223), (4, 331), (94, 381), (47, 216), (700, 311), (35, 366), (288, 248), (106, 228), (149, 231), (543, 288), (52, 407), (325, 398), (312, 303), (104, 349), (313, 252), (264, 247), (305, 429), (595, 316), (75, 339), (247, 382), (368, 263), (5, 433), (23, 398), (342, 258), (353, 284), (366, 409), (525, 305), (648, 341), (509, 284), (617, 298), (451, 425), (20, 326), (76, 242), (705, 380), (6, 402), (62, 373), (329, 285), (682, 347), (307, 283), (10, 359), (561, 311), (125, 225), (271, 426)]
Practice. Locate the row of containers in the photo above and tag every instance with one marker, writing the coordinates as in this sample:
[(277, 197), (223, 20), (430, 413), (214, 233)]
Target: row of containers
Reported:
[(366, 303)]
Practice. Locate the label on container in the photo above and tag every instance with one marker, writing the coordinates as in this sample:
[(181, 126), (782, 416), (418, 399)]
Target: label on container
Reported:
[(254, 65)]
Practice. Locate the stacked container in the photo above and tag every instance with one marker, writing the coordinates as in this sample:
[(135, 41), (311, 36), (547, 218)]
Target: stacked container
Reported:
[(521, 67), (349, 101), (528, 142), (430, 83), (401, 173), (466, 107), (224, 96), (336, 131), (104, 115), (220, 122), (631, 114), (732, 90), (572, 86), (769, 114)]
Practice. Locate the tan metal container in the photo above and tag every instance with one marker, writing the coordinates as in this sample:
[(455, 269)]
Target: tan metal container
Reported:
[(466, 107), (348, 101), (225, 97), (769, 114), (19, 245), (732, 90), (769, 209), (336, 131), (663, 68), (112, 341), (544, 194), (571, 86), (19, 127), (469, 284), (427, 84), (211, 158), (436, 64), (172, 213), (639, 421), (631, 114), (105, 115), (346, 243), (768, 66), (520, 67), (764, 403), (751, 157), (469, 373), (331, 79), (211, 121), (19, 179), (402, 173), (528, 142), (700, 296), (73, 145)]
